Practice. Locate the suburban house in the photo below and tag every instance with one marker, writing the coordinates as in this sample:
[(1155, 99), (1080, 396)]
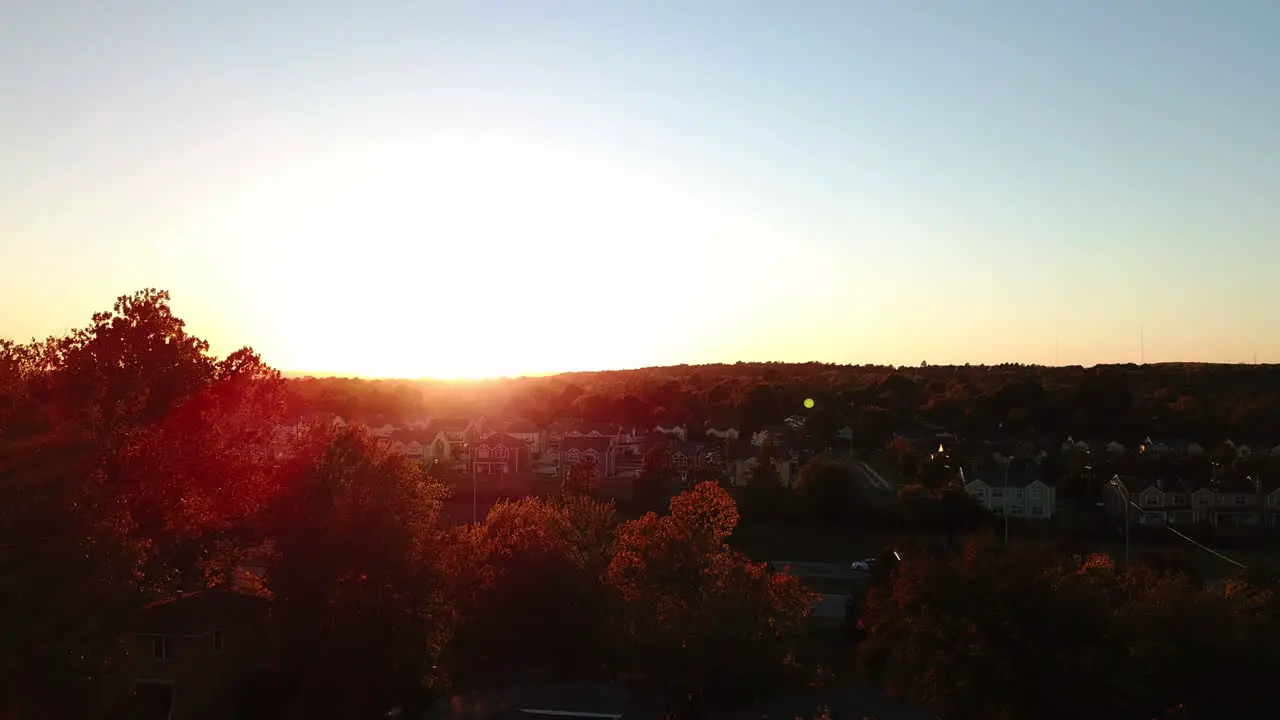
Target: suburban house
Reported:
[(744, 457), (184, 655), (448, 439), (722, 433), (530, 433), (602, 451), (672, 430), (1226, 501), (413, 444), (500, 454), (687, 458), (1017, 489), (1270, 489)]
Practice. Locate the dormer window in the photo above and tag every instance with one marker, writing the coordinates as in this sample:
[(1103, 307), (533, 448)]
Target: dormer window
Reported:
[(573, 456), (590, 455), (483, 452), (500, 453)]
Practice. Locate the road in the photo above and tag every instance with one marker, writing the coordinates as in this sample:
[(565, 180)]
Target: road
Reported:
[(829, 605), (875, 480)]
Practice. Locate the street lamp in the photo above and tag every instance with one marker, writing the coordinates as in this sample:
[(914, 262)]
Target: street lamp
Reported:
[(1007, 465), (1124, 497), (472, 462)]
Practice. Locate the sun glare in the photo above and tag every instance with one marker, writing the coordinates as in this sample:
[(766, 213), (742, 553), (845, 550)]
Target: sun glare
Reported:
[(458, 254)]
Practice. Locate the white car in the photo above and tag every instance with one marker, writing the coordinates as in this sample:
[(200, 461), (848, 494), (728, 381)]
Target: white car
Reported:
[(864, 565)]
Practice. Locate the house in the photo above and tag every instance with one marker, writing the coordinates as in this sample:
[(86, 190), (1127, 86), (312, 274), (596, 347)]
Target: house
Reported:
[(449, 439), (1149, 500), (1227, 500), (672, 430), (602, 451), (1016, 489), (725, 432), (413, 444), (383, 430), (1269, 488), (530, 433), (500, 454), (687, 458), (744, 457), (185, 655)]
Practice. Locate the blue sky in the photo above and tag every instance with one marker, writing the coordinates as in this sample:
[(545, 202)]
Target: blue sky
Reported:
[(424, 188)]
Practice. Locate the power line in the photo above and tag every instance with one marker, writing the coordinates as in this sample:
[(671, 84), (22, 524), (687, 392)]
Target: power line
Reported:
[(1202, 546)]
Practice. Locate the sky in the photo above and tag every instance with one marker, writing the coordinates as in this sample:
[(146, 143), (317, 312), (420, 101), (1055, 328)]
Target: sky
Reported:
[(446, 189)]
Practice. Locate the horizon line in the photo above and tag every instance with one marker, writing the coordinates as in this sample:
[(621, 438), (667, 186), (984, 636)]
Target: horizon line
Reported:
[(300, 374)]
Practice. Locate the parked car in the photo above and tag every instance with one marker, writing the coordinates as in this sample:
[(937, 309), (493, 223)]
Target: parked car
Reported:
[(864, 565)]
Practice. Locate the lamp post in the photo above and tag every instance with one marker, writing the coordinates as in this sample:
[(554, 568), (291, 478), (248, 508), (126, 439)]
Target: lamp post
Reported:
[(474, 494), (1007, 465), (1124, 498)]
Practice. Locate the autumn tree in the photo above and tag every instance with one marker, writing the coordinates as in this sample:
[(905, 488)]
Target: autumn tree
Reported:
[(657, 476), (581, 478), (134, 450), (527, 584), (826, 486), (697, 613), (357, 578), (976, 633)]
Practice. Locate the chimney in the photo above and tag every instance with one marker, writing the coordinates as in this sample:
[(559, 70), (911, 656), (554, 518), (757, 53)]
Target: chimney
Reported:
[(1160, 484)]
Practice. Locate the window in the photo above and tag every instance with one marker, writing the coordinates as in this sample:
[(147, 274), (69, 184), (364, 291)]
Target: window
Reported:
[(1202, 500), (217, 641), (680, 461), (1015, 510), (1150, 499), (1177, 499), (573, 456), (1017, 494), (997, 492), (500, 453), (1037, 493), (483, 452), (162, 647), (590, 455), (1240, 500), (1037, 511)]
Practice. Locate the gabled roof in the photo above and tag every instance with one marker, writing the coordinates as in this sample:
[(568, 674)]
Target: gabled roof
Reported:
[(1020, 474), (500, 440), (423, 437), (599, 444), (522, 426), (452, 424), (199, 612)]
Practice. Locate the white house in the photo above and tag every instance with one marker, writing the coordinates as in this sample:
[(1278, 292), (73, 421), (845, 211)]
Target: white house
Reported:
[(723, 433), (530, 433), (673, 430), (1021, 495), (1159, 501)]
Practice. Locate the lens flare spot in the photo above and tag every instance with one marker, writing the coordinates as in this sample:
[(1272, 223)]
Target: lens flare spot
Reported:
[(808, 403)]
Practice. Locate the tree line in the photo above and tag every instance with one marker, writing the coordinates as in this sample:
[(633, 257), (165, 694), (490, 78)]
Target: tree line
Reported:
[(135, 465), (1199, 402)]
